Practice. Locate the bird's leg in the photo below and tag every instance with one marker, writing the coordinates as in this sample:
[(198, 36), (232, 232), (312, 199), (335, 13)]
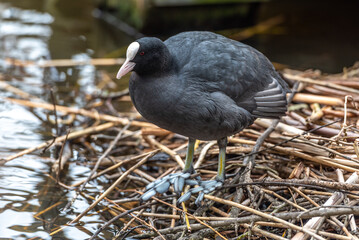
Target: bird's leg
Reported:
[(178, 180), (183, 178), (222, 145), (188, 165), (210, 185)]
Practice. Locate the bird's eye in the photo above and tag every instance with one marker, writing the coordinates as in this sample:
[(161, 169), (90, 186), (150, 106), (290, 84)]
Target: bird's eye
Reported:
[(142, 53)]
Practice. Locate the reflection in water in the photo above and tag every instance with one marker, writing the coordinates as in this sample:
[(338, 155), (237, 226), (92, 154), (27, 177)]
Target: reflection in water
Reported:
[(24, 36), (21, 178), (38, 30), (30, 200), (26, 191)]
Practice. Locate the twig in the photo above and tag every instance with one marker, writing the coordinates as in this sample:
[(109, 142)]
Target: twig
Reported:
[(138, 219), (319, 82), (117, 165), (335, 199), (198, 220), (203, 154), (94, 115), (119, 180), (302, 182), (170, 152), (53, 99), (6, 86), (262, 232), (100, 229), (98, 162), (324, 212), (66, 62), (264, 215), (72, 135), (344, 125), (60, 161)]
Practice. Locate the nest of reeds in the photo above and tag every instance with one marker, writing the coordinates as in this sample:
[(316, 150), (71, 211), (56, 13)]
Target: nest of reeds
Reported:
[(290, 179)]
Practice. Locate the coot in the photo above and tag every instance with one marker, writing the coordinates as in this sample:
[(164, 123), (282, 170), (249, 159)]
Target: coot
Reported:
[(204, 86)]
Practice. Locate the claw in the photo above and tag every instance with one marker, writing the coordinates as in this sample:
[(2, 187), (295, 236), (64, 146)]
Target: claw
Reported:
[(210, 184), (173, 175), (149, 186), (162, 187), (178, 184), (184, 197), (186, 175), (219, 184), (199, 199), (165, 178), (191, 182), (211, 189), (178, 180), (196, 190), (175, 185), (181, 181), (174, 178), (147, 195), (152, 184)]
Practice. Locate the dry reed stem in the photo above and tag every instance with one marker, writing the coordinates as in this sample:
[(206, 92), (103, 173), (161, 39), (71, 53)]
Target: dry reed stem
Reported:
[(319, 82), (117, 165), (170, 152), (329, 162), (336, 198), (138, 219), (316, 151), (264, 215), (262, 232), (283, 199), (4, 85), (66, 62), (258, 219), (71, 135), (118, 181), (198, 220), (83, 112), (203, 153), (258, 28)]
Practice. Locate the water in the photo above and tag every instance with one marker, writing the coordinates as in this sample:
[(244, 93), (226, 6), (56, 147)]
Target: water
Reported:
[(66, 29), (35, 31), (26, 190)]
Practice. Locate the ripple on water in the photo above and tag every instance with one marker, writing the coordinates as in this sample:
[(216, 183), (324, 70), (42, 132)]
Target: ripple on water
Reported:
[(17, 128), (20, 180), (31, 201)]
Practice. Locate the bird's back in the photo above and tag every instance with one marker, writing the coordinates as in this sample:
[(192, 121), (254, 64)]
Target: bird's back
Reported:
[(211, 63)]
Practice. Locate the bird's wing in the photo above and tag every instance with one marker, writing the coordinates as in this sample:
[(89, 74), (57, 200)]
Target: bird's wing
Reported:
[(239, 71)]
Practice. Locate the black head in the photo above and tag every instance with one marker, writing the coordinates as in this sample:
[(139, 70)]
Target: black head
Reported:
[(146, 56)]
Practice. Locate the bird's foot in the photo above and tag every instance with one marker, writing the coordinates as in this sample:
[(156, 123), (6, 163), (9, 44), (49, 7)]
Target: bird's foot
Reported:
[(178, 180), (204, 187)]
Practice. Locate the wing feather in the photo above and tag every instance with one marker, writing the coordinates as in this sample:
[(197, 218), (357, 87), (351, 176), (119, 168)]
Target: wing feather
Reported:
[(214, 63)]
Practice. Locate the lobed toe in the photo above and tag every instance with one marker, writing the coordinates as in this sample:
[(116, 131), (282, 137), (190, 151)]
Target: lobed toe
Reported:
[(191, 182), (178, 185), (162, 187), (147, 195), (184, 197), (199, 199)]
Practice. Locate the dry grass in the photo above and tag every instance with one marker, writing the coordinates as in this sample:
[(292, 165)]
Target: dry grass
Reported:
[(303, 184)]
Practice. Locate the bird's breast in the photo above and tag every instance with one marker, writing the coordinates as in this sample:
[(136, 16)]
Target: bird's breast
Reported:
[(194, 114), (155, 99)]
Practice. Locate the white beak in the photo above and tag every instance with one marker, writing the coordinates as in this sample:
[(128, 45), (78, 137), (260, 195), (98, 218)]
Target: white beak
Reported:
[(130, 55), (126, 67)]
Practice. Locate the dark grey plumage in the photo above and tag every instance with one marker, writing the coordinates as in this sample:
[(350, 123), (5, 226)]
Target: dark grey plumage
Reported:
[(203, 86), (206, 86)]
